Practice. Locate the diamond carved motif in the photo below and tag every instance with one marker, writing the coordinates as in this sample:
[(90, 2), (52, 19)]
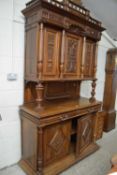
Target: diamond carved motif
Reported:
[(87, 131), (57, 141)]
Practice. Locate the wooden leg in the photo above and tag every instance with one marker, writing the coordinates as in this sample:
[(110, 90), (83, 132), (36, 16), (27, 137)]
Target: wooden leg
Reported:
[(40, 95), (92, 99)]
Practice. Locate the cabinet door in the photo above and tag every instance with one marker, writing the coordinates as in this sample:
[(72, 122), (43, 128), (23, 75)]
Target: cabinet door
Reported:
[(51, 54), (90, 56), (72, 58), (84, 133), (56, 141)]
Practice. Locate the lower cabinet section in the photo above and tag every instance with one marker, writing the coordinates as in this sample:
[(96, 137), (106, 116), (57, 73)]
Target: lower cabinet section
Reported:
[(53, 148)]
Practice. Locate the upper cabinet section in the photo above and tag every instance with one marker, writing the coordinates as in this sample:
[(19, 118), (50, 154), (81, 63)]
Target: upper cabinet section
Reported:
[(61, 41), (66, 14)]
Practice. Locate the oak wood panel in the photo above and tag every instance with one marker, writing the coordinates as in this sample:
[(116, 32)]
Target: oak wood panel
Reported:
[(29, 136), (59, 90), (73, 54), (99, 125), (90, 57), (84, 133), (51, 56), (52, 90), (54, 107), (31, 54), (56, 142)]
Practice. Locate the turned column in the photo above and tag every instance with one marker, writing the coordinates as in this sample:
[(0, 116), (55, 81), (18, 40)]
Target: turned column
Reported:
[(83, 57), (40, 152), (92, 99), (95, 60), (40, 94), (62, 54), (39, 86), (40, 55)]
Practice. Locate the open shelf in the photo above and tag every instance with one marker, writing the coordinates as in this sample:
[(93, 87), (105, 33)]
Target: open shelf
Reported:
[(74, 126)]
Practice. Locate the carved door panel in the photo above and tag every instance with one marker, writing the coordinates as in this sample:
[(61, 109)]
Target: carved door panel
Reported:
[(84, 133), (56, 141), (31, 54), (72, 58), (89, 62), (51, 53)]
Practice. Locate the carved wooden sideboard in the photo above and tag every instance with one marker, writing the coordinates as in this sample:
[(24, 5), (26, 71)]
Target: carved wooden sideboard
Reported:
[(59, 127)]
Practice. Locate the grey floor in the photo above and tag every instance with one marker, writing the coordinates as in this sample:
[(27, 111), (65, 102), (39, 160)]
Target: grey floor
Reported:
[(95, 164)]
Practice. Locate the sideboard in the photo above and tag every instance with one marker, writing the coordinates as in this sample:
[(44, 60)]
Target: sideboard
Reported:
[(59, 127)]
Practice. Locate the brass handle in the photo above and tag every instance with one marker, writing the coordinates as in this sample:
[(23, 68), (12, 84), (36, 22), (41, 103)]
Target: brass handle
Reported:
[(64, 117)]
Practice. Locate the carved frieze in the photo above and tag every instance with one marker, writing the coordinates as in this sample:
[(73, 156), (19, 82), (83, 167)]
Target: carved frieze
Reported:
[(52, 17), (69, 24)]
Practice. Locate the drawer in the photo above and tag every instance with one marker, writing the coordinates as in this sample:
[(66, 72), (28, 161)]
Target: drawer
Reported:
[(67, 115)]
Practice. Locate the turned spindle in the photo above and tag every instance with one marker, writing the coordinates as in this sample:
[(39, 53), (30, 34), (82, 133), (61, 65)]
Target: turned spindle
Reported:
[(40, 59), (62, 54), (92, 99), (83, 57)]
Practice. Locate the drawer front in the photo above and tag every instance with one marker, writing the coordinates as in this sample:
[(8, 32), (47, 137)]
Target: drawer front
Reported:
[(68, 115)]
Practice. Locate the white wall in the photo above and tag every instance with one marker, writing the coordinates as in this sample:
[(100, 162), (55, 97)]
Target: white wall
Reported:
[(11, 92)]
